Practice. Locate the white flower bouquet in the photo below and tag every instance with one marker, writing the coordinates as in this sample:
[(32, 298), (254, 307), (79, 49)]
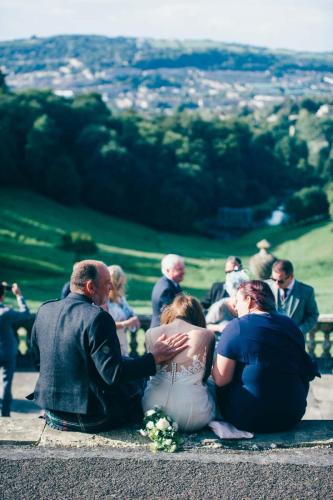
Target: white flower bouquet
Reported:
[(161, 429)]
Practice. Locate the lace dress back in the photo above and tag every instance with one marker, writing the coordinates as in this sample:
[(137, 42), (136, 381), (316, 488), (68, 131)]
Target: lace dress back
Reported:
[(178, 386)]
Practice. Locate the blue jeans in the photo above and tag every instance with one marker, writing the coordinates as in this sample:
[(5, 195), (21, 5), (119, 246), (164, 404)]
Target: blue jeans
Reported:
[(8, 369)]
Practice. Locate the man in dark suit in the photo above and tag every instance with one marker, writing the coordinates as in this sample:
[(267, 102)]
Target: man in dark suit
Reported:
[(167, 287), (84, 383), (293, 298), (218, 290)]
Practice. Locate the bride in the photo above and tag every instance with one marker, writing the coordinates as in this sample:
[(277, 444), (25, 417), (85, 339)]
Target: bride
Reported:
[(179, 387)]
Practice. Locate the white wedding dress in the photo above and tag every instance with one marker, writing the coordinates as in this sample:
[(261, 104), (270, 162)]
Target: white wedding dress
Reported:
[(178, 386)]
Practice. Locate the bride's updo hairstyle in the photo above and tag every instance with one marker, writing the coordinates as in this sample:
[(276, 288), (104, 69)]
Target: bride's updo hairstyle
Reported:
[(184, 307), (260, 294)]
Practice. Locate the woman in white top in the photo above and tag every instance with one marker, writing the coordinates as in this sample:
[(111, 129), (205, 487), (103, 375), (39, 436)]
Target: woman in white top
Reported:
[(119, 309), (179, 386)]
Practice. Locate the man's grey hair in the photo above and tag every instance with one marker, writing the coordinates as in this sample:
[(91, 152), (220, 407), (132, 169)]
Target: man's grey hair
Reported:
[(84, 271), (169, 261), (234, 280)]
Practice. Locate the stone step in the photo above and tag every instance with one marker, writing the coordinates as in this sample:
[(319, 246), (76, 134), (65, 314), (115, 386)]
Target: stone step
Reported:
[(25, 428)]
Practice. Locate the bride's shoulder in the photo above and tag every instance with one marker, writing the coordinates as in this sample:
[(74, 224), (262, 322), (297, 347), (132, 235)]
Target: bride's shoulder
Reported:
[(154, 333), (202, 332)]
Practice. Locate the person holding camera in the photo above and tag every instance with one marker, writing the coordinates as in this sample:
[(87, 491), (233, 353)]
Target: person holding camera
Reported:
[(8, 341)]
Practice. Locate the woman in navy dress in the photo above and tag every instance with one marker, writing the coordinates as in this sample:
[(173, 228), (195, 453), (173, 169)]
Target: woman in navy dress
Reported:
[(262, 370)]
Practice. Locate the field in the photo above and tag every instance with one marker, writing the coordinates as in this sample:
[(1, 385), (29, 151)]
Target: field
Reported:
[(31, 229)]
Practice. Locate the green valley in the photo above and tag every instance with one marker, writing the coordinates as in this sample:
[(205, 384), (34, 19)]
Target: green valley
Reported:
[(32, 226)]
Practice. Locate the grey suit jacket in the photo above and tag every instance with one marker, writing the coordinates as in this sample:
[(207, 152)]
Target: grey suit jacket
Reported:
[(300, 305), (81, 368)]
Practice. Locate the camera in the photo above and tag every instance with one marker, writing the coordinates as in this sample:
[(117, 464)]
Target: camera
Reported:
[(7, 287)]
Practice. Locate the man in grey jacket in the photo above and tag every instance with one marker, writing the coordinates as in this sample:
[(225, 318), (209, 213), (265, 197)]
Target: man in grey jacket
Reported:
[(8, 342), (293, 298), (85, 384)]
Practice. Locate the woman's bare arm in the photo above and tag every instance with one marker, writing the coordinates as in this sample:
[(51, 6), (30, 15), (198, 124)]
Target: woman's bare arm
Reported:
[(223, 370)]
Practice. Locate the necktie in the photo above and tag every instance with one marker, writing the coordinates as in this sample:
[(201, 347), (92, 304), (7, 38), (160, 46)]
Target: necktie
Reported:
[(284, 293)]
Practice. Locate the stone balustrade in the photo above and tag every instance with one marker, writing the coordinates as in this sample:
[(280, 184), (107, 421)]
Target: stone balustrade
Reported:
[(318, 341)]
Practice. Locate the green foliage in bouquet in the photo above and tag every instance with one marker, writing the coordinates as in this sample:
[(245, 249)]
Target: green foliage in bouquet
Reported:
[(162, 430)]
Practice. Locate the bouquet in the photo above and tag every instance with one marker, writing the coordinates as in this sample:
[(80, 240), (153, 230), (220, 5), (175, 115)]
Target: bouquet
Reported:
[(161, 429)]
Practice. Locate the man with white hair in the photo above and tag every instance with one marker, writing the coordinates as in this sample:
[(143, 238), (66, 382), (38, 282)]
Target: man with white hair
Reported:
[(167, 287)]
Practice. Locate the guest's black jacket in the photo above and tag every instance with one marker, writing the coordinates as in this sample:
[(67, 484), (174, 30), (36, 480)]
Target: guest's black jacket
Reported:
[(164, 291), (82, 371), (216, 293)]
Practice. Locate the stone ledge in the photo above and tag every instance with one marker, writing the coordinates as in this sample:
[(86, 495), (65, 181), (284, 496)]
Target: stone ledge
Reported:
[(308, 433), (23, 430)]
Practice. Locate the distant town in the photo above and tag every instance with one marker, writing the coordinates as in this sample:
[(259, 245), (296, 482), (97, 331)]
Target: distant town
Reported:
[(148, 76)]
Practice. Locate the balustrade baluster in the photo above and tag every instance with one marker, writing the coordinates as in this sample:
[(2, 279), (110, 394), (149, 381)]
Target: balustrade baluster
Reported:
[(311, 344), (327, 346), (134, 344)]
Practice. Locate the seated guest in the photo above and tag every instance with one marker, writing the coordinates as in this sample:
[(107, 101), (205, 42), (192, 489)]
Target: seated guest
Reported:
[(167, 287), (218, 290), (84, 383), (179, 387), (223, 311), (262, 370), (119, 309)]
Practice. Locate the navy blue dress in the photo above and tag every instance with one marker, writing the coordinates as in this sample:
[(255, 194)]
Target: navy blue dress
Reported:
[(271, 380)]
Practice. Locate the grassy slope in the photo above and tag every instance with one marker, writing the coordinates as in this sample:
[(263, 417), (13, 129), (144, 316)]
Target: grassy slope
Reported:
[(31, 227)]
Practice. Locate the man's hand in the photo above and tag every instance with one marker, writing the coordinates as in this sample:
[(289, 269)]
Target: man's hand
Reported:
[(16, 291), (165, 349), (132, 322)]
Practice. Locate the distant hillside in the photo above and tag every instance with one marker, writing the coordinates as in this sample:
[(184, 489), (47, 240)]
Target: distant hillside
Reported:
[(32, 226), (158, 74), (98, 53)]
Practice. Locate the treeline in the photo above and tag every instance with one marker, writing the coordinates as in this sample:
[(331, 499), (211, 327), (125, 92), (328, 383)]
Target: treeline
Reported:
[(166, 172)]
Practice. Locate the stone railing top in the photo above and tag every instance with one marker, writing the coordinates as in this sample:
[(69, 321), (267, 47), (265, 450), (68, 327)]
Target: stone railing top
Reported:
[(325, 318)]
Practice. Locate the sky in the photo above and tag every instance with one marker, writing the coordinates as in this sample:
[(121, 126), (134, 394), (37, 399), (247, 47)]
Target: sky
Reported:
[(292, 24)]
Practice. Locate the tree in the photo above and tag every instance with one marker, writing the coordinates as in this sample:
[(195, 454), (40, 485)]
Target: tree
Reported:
[(306, 203), (62, 181), (3, 85), (42, 147)]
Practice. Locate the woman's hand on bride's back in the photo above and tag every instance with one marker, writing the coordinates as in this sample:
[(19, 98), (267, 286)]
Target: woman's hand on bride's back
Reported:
[(165, 348)]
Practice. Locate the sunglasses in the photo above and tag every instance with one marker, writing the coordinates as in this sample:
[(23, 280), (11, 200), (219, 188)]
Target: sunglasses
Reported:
[(232, 270)]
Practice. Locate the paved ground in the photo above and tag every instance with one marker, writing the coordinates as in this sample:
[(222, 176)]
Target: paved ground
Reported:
[(127, 478), (119, 464)]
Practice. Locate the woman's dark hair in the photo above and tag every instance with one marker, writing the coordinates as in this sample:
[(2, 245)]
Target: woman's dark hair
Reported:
[(260, 293), (185, 307)]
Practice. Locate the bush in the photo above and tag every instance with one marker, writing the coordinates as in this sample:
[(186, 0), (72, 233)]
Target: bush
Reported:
[(306, 203), (81, 244)]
